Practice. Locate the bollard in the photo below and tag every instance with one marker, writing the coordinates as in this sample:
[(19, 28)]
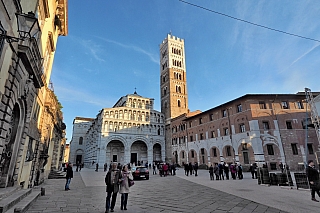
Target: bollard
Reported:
[(43, 191)]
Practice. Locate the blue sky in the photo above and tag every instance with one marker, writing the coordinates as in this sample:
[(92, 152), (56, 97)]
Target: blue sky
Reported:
[(113, 47)]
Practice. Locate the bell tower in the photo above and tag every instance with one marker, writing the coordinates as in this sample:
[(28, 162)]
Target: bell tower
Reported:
[(173, 79)]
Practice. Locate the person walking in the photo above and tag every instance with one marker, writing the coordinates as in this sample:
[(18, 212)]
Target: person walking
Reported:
[(112, 181), (196, 169), (124, 186), (77, 164), (281, 167), (233, 171), (186, 169), (216, 171), (190, 168), (240, 170), (97, 167), (69, 175), (220, 166), (211, 172), (165, 169), (154, 169), (313, 178), (226, 170)]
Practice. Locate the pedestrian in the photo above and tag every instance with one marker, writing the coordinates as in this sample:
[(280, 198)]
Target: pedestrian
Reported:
[(196, 169), (233, 171), (124, 186), (220, 166), (105, 166), (186, 169), (69, 175), (216, 171), (226, 170), (211, 172), (97, 167), (154, 169), (77, 164), (112, 181), (240, 174), (313, 178), (281, 167), (165, 169), (174, 169), (190, 168)]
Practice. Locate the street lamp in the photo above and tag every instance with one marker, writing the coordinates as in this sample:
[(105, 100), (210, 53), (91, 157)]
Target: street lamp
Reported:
[(28, 27)]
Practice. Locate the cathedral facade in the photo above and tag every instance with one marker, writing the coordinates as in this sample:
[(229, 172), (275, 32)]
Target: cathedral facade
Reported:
[(129, 132)]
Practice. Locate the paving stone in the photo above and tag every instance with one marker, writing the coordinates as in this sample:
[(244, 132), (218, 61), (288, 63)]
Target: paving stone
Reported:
[(158, 194)]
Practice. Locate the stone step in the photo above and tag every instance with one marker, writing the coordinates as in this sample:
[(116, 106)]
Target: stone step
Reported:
[(25, 203), (10, 201)]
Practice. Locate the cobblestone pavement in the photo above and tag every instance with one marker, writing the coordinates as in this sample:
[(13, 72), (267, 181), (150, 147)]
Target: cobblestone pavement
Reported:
[(159, 194)]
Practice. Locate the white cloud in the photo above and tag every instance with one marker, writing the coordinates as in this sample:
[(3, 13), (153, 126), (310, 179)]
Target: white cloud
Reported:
[(92, 48), (76, 95), (154, 58)]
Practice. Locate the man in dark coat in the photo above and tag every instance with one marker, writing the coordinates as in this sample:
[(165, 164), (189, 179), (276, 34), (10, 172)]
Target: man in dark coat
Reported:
[(313, 178), (196, 167), (69, 175), (112, 181)]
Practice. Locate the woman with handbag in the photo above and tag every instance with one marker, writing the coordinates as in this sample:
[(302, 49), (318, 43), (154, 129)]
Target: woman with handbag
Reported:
[(124, 186)]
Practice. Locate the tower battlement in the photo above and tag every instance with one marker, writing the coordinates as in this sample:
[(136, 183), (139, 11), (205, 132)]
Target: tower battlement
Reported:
[(172, 37)]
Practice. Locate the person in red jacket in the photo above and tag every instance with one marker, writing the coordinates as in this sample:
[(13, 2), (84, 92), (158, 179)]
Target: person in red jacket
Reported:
[(165, 169)]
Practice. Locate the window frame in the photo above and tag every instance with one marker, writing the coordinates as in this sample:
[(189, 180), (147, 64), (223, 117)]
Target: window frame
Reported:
[(262, 105), (267, 125), (284, 105), (310, 151), (289, 125), (294, 149), (270, 149), (239, 108), (242, 127)]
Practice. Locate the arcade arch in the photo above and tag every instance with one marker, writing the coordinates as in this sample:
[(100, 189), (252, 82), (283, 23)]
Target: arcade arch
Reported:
[(139, 153)]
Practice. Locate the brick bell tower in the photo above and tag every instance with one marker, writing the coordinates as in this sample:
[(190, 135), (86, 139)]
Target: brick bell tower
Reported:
[(173, 79)]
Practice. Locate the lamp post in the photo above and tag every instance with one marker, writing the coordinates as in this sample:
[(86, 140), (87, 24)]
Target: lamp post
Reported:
[(28, 27)]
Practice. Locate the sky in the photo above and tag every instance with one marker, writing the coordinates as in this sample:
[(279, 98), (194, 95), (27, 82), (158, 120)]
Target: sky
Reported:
[(112, 47)]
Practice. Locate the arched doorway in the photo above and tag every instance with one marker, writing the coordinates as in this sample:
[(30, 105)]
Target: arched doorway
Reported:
[(183, 158), (246, 154), (156, 153), (214, 155), (228, 154), (139, 153), (10, 149), (203, 156), (115, 151), (79, 156), (193, 156)]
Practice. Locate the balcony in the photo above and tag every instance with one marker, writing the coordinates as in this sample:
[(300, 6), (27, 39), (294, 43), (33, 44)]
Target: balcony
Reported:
[(30, 56)]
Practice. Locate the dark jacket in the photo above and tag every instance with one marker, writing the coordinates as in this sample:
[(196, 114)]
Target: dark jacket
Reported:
[(113, 187), (312, 174), (69, 172)]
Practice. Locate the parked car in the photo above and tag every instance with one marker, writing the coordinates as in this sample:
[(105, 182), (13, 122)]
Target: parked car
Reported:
[(140, 172)]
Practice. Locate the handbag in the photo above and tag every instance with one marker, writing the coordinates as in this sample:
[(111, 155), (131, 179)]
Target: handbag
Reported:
[(131, 182)]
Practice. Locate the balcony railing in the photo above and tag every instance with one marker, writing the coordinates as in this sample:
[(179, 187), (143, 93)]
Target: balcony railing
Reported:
[(30, 55)]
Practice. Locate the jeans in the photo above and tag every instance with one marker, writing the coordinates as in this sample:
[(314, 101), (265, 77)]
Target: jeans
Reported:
[(67, 183), (124, 200), (113, 201)]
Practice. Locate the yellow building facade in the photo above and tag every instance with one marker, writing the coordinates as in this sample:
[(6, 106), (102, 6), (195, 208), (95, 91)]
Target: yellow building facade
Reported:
[(31, 145)]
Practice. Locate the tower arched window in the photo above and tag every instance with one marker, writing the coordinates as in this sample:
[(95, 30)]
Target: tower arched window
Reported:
[(165, 91), (80, 140), (165, 105), (179, 103)]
